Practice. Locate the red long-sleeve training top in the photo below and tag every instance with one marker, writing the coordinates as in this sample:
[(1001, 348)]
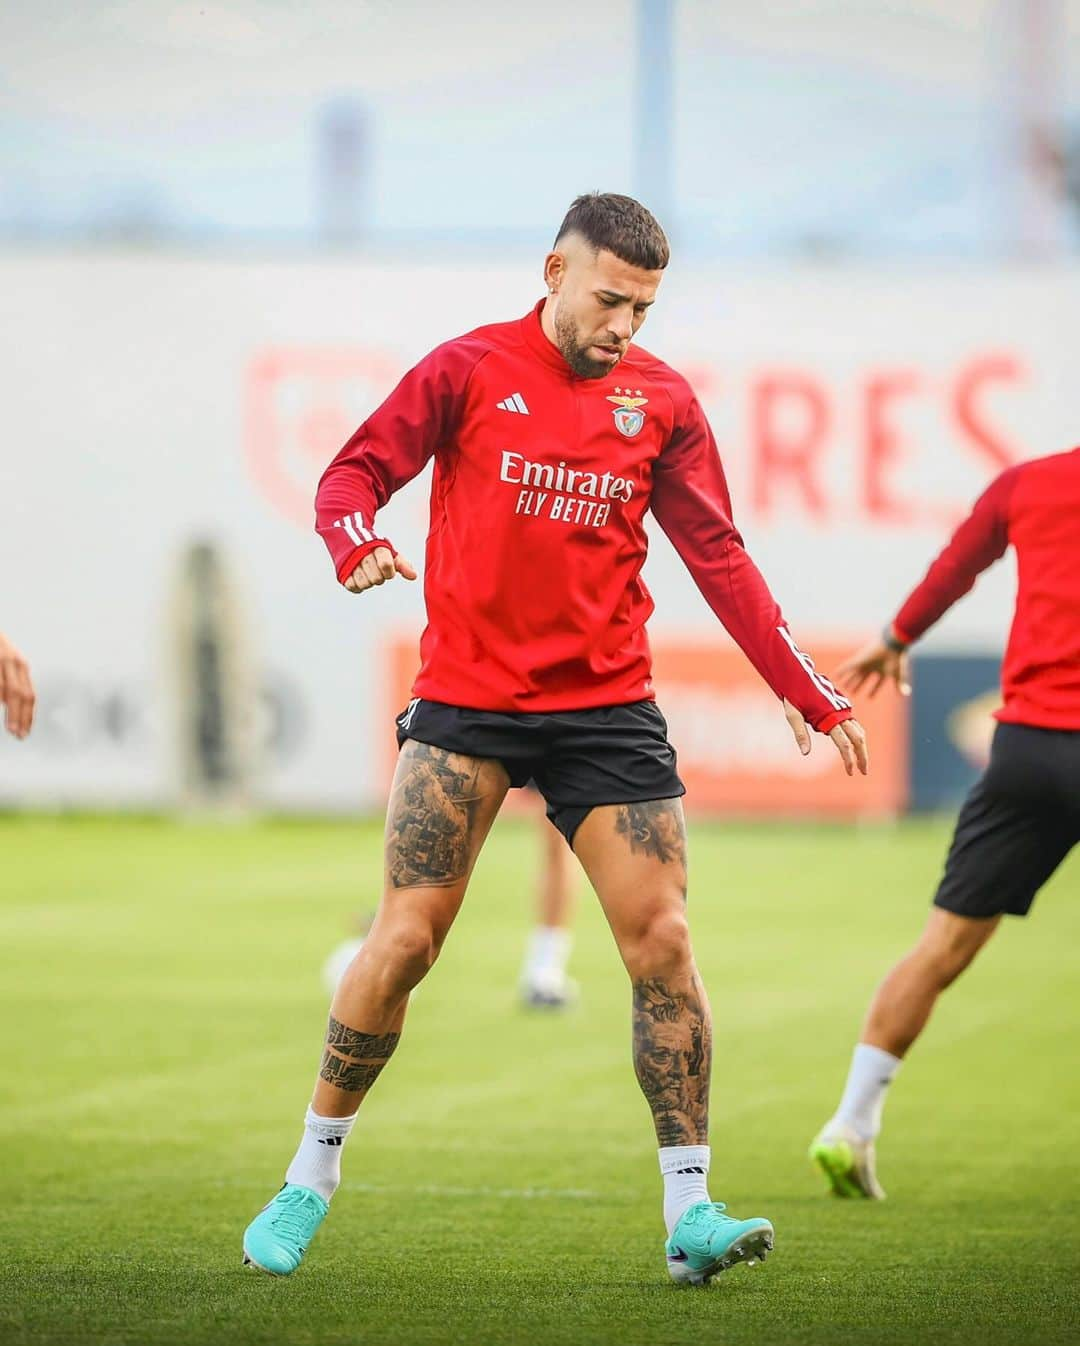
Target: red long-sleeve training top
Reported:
[(542, 480), (1035, 506)]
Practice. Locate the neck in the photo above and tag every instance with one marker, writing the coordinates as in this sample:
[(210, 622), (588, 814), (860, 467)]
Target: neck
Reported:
[(547, 320)]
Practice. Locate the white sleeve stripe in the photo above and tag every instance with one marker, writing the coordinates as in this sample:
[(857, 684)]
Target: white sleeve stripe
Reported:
[(347, 524), (356, 529), (838, 699), (823, 684)]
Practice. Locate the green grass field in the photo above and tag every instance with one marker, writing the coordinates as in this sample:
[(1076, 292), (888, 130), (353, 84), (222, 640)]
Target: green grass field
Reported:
[(162, 1015)]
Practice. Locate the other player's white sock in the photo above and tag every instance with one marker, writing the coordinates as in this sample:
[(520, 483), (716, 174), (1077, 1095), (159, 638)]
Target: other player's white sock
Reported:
[(686, 1179), (870, 1075), (317, 1163), (547, 955)]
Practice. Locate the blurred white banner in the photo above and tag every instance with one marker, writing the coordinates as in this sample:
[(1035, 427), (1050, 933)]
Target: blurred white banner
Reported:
[(152, 402)]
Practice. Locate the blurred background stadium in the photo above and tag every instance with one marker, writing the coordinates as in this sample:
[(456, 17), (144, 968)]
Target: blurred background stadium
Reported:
[(227, 228)]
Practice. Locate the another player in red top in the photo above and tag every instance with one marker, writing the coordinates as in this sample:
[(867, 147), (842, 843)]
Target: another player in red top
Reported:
[(552, 438), (1023, 816)]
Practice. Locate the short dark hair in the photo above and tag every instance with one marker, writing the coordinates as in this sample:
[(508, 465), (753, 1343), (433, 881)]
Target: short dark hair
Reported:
[(618, 224)]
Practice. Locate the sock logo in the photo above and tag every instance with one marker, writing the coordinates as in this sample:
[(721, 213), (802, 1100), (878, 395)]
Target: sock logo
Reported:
[(694, 1169), (330, 1140)]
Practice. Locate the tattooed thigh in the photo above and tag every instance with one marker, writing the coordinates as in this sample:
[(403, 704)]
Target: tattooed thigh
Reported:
[(655, 827), (352, 1060), (435, 808)]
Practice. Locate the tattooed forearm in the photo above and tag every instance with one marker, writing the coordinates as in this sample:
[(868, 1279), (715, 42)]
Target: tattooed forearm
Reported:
[(672, 1057), (352, 1060), (432, 814), (655, 827)]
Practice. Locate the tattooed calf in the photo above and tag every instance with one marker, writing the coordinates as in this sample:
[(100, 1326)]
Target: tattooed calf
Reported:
[(352, 1060), (672, 1057)]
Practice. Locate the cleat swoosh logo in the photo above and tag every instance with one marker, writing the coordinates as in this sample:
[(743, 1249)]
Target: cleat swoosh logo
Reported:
[(677, 1255)]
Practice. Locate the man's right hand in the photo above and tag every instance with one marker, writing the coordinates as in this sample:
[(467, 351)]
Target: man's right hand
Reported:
[(377, 567), (16, 689)]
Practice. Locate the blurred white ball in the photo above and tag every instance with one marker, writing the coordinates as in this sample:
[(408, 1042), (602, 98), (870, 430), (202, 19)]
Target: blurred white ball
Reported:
[(334, 967)]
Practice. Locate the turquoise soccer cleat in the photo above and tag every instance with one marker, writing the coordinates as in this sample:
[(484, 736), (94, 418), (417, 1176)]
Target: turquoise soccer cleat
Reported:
[(706, 1241), (278, 1237)]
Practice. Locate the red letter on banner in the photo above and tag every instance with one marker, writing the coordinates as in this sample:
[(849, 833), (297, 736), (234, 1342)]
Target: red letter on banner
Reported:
[(882, 447), (789, 424), (968, 385)]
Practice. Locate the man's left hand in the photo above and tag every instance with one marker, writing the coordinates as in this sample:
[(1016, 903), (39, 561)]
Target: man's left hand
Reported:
[(849, 737)]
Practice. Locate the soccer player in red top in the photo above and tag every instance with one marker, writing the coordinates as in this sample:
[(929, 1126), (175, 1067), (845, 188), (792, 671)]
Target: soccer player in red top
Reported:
[(552, 437), (1022, 818)]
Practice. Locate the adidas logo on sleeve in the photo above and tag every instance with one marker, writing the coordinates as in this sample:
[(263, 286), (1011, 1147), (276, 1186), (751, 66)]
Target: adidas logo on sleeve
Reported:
[(515, 402)]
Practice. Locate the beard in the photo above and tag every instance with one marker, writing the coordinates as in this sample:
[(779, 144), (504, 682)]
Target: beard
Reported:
[(574, 353)]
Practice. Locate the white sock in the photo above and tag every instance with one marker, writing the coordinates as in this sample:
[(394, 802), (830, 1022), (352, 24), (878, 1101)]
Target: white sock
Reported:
[(686, 1179), (864, 1096), (317, 1163), (547, 955)]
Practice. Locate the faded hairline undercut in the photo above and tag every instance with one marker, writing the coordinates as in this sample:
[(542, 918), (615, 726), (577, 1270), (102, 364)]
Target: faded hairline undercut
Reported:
[(620, 225)]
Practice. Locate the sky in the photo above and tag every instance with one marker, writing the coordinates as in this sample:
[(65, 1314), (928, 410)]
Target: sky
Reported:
[(870, 126)]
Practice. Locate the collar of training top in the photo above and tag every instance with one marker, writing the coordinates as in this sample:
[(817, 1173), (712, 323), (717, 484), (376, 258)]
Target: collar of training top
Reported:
[(537, 341)]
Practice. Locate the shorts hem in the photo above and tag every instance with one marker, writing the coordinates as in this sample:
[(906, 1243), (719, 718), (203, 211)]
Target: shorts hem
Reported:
[(625, 799), (959, 909), (430, 742)]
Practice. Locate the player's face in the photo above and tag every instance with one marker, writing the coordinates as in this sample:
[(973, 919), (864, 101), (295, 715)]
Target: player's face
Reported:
[(599, 303)]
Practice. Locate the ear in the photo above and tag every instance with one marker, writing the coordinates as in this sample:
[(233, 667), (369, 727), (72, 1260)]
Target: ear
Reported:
[(554, 270)]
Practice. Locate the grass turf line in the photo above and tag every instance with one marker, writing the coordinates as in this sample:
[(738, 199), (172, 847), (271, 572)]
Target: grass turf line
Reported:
[(161, 1022)]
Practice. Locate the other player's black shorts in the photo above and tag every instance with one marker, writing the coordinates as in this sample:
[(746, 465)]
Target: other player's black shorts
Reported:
[(578, 759), (1017, 825)]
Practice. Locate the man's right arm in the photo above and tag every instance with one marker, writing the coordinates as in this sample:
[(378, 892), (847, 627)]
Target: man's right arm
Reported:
[(386, 452), (16, 689)]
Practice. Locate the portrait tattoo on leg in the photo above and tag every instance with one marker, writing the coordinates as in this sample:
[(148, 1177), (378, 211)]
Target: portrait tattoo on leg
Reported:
[(672, 1058), (432, 815), (654, 828), (352, 1060)]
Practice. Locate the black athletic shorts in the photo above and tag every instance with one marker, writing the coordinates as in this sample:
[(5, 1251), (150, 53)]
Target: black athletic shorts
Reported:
[(578, 759), (1017, 825)]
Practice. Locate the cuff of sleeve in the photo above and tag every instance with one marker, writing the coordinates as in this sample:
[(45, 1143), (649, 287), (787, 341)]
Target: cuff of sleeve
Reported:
[(900, 635), (346, 568), (829, 723)]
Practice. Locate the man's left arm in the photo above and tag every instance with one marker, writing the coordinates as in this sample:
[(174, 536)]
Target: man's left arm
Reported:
[(691, 502)]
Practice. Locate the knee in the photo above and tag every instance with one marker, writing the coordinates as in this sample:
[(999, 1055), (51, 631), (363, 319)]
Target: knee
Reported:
[(943, 960), (660, 947), (404, 954)]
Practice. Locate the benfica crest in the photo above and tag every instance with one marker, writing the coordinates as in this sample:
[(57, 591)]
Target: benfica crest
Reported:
[(628, 418)]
